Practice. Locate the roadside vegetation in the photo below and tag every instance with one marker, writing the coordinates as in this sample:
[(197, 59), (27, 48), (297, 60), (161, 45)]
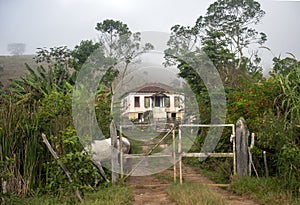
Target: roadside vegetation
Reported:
[(264, 190), (103, 195), (41, 102), (189, 193), (270, 105)]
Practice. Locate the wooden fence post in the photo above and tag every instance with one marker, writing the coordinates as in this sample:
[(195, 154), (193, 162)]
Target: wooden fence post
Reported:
[(242, 154), (266, 164), (114, 153)]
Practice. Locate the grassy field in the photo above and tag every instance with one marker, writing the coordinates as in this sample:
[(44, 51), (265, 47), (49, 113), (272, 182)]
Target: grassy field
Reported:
[(12, 67)]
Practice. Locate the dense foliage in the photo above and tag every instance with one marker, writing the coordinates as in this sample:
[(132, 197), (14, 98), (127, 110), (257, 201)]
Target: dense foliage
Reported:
[(269, 105), (41, 102)]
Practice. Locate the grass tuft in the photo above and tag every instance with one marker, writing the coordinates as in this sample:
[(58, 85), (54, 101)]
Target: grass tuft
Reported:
[(189, 193), (264, 190)]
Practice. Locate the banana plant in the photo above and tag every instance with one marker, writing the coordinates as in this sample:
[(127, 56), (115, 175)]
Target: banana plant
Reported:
[(290, 97), (41, 81)]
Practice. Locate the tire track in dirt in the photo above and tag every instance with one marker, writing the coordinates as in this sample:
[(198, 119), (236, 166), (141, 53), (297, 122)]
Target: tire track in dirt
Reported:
[(191, 175), (151, 190), (148, 190)]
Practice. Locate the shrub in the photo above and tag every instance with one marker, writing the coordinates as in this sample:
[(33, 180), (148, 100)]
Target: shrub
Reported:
[(85, 176)]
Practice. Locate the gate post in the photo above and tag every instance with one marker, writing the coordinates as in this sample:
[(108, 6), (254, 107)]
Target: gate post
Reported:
[(180, 154), (174, 155), (114, 153), (241, 142)]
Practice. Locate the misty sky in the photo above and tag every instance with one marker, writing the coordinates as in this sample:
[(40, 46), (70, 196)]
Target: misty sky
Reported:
[(49, 23)]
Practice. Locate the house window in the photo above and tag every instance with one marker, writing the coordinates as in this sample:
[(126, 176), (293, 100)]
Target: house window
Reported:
[(147, 102), (136, 101), (176, 101), (167, 101)]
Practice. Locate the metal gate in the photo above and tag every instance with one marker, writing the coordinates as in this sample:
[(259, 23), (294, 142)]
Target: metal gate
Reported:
[(184, 154), (177, 157)]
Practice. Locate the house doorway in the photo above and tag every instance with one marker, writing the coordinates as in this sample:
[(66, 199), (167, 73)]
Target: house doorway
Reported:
[(158, 102), (141, 117)]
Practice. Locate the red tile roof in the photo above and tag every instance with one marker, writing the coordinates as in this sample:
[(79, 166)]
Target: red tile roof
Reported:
[(154, 88)]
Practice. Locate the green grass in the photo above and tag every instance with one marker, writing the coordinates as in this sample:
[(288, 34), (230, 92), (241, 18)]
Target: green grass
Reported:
[(267, 191), (111, 195), (165, 178), (136, 146), (188, 193)]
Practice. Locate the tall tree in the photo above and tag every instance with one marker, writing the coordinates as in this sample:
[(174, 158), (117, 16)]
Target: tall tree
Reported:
[(120, 46), (111, 32), (284, 65), (216, 48), (16, 48), (222, 34), (81, 53), (184, 40), (234, 19)]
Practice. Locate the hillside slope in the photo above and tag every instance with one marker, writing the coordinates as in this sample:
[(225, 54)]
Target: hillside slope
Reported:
[(12, 67)]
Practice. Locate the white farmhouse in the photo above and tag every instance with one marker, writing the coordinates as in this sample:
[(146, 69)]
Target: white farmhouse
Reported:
[(154, 101)]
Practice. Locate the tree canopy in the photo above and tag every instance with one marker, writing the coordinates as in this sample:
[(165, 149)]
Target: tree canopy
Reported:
[(16, 48), (223, 34)]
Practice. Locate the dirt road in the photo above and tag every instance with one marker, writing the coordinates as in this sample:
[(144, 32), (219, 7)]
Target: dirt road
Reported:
[(151, 190)]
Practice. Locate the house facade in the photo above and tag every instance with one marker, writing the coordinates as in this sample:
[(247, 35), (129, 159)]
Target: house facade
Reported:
[(153, 101)]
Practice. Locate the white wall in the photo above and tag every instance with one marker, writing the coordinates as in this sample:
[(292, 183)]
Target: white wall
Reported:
[(130, 103)]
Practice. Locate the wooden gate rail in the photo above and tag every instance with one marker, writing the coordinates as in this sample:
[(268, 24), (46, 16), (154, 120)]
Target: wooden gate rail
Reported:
[(135, 156), (184, 154)]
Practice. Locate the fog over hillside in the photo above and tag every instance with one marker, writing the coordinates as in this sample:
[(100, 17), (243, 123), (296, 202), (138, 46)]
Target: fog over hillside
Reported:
[(66, 22)]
